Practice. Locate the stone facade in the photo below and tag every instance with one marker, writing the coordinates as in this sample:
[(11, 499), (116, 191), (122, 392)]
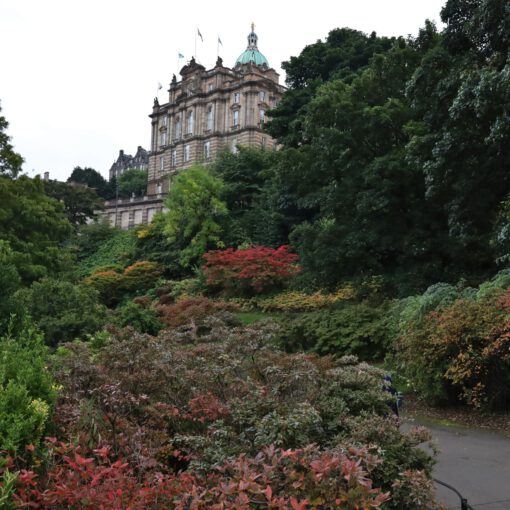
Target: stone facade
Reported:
[(206, 111), (140, 161)]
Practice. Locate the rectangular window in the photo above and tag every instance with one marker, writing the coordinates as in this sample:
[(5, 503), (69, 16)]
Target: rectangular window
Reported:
[(186, 152), (262, 95), (237, 97), (262, 116), (178, 127), (236, 118), (174, 157), (161, 163), (207, 150), (210, 87), (209, 117), (190, 123), (162, 138), (164, 121)]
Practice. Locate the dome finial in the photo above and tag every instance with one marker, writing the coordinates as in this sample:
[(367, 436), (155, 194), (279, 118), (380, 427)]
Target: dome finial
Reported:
[(252, 26)]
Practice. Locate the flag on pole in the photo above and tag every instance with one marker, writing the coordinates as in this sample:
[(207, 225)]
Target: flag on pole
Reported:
[(219, 41), (181, 56), (199, 34), (160, 86)]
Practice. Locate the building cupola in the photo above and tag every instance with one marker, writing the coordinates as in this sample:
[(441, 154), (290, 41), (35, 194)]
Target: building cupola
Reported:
[(252, 53)]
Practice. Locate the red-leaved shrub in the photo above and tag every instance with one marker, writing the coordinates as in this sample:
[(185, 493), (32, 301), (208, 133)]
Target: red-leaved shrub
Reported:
[(250, 270)]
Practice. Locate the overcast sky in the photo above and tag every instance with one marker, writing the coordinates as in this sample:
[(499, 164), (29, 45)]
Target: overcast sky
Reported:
[(78, 78)]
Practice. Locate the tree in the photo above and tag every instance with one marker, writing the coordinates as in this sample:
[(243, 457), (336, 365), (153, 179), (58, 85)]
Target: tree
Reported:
[(195, 207), (34, 225), (132, 181), (340, 56), (93, 179), (247, 176), (460, 93), (80, 203), (10, 161)]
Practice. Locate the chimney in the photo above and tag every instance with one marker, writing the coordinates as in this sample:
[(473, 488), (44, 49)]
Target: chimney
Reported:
[(46, 176), (121, 153)]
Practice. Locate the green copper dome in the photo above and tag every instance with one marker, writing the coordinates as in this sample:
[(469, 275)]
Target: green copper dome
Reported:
[(252, 53)]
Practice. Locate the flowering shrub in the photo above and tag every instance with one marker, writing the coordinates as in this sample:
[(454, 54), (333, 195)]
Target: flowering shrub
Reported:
[(460, 351), (250, 270)]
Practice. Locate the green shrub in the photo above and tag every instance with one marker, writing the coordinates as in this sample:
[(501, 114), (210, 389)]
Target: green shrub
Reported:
[(353, 328), (142, 319), (62, 310), (27, 391)]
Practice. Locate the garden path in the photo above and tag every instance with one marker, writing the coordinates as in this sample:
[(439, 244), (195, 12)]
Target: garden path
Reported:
[(475, 462)]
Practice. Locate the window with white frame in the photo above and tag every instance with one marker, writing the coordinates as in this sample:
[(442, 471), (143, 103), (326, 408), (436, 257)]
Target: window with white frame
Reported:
[(237, 97), (186, 152), (177, 127), (207, 150), (174, 157), (236, 118), (210, 117), (161, 163), (190, 122)]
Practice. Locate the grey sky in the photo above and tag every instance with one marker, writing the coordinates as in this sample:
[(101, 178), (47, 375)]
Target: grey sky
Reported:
[(77, 78)]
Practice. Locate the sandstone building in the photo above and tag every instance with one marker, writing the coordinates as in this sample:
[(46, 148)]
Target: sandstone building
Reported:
[(140, 161), (206, 111)]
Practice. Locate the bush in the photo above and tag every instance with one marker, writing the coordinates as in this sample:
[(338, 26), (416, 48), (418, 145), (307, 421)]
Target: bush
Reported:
[(62, 310), (141, 276), (460, 351), (189, 310), (353, 328), (250, 270), (113, 285), (141, 318), (26, 389), (227, 394)]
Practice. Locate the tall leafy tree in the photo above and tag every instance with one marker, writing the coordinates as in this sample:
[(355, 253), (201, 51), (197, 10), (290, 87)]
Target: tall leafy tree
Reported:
[(80, 202), (340, 56), (195, 208), (10, 161)]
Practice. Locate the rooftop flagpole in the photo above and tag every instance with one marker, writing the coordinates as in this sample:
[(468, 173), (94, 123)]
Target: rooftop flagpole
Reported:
[(218, 47)]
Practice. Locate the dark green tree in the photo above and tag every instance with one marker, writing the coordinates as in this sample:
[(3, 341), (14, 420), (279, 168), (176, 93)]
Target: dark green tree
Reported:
[(93, 179), (340, 56), (10, 161), (80, 202)]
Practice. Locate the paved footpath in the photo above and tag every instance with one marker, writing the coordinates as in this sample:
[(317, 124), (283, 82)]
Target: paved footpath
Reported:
[(475, 462)]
